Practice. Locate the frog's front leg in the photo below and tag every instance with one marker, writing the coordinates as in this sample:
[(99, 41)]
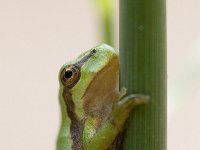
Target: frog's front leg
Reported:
[(103, 137), (121, 109)]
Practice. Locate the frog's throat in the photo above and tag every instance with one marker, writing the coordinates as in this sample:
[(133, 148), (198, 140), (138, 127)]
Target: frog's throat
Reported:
[(76, 128)]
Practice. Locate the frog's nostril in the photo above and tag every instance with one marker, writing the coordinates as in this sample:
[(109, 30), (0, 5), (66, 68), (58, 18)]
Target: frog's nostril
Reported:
[(68, 74), (94, 50)]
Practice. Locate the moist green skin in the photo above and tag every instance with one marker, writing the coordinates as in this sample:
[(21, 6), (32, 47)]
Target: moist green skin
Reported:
[(93, 109)]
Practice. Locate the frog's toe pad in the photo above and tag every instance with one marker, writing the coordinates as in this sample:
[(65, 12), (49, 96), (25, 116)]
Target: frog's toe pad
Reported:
[(135, 99)]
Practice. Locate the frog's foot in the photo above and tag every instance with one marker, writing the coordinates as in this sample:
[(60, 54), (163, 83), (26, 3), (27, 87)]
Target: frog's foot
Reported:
[(122, 93), (123, 107), (133, 100)]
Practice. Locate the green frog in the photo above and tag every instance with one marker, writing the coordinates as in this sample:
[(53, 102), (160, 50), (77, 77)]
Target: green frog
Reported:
[(94, 110)]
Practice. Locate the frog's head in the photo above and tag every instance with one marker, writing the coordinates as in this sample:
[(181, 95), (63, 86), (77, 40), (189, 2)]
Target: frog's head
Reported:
[(89, 74)]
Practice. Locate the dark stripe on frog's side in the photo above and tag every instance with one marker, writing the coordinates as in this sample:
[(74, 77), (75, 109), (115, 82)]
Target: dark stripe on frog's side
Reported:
[(76, 128)]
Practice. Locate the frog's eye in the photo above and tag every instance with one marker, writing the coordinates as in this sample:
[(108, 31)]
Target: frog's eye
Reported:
[(70, 76)]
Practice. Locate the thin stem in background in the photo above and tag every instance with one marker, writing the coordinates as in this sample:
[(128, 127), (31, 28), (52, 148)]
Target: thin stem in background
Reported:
[(106, 20)]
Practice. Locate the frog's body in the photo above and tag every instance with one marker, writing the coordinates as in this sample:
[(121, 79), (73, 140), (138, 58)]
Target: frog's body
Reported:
[(93, 113)]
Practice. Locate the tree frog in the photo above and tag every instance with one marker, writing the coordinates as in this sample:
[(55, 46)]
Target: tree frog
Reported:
[(94, 110)]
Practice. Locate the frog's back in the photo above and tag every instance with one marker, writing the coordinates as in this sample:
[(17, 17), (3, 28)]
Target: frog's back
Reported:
[(102, 92)]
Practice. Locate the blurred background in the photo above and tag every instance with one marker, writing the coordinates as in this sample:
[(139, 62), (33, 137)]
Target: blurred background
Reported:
[(38, 37)]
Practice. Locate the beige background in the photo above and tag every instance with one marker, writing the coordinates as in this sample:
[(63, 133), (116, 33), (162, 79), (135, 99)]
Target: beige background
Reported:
[(38, 36)]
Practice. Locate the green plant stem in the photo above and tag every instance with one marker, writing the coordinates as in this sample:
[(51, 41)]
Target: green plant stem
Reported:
[(143, 70)]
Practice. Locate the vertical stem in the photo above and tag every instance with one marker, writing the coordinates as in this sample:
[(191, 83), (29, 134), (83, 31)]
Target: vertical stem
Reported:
[(143, 70)]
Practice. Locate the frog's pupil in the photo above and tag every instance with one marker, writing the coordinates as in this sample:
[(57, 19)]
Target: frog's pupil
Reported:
[(68, 74)]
